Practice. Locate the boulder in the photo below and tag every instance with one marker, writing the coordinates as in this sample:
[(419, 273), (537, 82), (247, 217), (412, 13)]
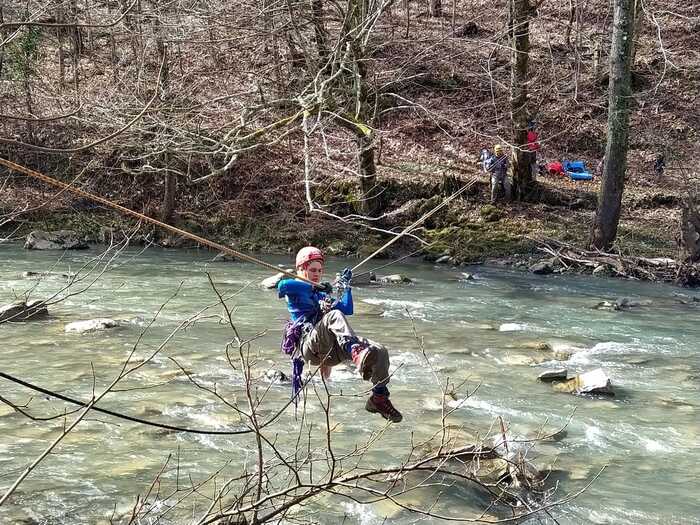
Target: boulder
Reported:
[(553, 375), (465, 276), (56, 240), (23, 311), (542, 268), (91, 325), (593, 382), (396, 278)]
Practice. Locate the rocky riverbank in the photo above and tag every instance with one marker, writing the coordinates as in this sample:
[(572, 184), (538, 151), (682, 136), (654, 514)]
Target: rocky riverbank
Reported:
[(467, 231)]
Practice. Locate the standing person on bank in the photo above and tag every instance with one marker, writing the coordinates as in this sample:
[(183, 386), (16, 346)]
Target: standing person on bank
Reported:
[(319, 332), (498, 167)]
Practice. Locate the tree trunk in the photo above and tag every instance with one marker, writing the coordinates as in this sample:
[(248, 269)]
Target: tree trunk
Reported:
[(619, 91), (170, 182), (520, 28), (637, 6), (361, 120), (169, 192), (690, 228), (2, 37), (368, 174), (319, 29)]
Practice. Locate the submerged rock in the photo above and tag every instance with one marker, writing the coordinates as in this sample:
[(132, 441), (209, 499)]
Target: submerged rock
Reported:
[(620, 304), (91, 325), (561, 355), (276, 376), (46, 275), (56, 240), (593, 382), (553, 375), (367, 309), (396, 278), (524, 360), (224, 257), (23, 311), (537, 345)]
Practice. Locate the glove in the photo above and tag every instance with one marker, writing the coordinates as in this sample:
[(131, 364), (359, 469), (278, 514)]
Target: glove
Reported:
[(324, 287), (345, 278)]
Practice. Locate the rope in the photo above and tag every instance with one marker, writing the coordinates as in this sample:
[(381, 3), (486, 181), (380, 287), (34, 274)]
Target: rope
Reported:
[(120, 415), (142, 217)]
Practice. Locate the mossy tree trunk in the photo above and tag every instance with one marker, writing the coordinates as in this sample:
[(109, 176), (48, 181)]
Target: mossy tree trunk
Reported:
[(607, 217), (523, 182), (359, 123), (170, 179), (690, 227)]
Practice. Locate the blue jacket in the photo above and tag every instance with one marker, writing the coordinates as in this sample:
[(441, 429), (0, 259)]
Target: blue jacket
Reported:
[(302, 300)]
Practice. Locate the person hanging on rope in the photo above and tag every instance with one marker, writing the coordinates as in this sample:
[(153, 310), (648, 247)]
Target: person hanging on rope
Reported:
[(319, 332)]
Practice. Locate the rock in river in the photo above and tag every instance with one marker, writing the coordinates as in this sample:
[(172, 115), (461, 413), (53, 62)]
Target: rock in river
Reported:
[(553, 375), (396, 278), (23, 311), (276, 376), (56, 240), (91, 325), (593, 382)]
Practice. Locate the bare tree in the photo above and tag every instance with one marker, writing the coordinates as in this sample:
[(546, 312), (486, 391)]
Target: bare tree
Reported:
[(520, 13), (604, 230)]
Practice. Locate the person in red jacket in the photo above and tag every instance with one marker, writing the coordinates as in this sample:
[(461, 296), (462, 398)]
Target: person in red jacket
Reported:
[(533, 147)]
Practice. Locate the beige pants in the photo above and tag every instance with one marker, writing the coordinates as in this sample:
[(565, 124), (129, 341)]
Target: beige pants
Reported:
[(326, 342)]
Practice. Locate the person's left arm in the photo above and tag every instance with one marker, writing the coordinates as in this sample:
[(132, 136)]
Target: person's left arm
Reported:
[(344, 304)]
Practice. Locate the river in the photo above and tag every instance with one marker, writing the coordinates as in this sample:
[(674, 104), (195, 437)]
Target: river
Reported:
[(480, 331)]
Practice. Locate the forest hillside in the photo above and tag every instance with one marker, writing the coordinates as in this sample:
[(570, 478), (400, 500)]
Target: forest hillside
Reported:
[(270, 125)]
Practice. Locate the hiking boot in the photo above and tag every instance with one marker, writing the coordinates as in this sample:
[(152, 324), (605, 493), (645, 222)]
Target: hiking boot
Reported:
[(379, 404), (364, 357)]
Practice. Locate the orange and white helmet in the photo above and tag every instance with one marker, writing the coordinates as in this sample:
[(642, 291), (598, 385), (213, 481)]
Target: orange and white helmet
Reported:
[(308, 254)]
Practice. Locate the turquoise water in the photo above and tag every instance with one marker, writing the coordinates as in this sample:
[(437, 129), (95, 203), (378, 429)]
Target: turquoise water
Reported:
[(477, 332)]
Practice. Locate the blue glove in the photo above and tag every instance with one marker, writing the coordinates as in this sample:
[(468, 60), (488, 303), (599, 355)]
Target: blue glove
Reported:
[(324, 287), (345, 278)]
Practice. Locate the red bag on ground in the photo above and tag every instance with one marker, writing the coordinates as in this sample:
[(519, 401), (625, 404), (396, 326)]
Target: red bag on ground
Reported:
[(555, 168)]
